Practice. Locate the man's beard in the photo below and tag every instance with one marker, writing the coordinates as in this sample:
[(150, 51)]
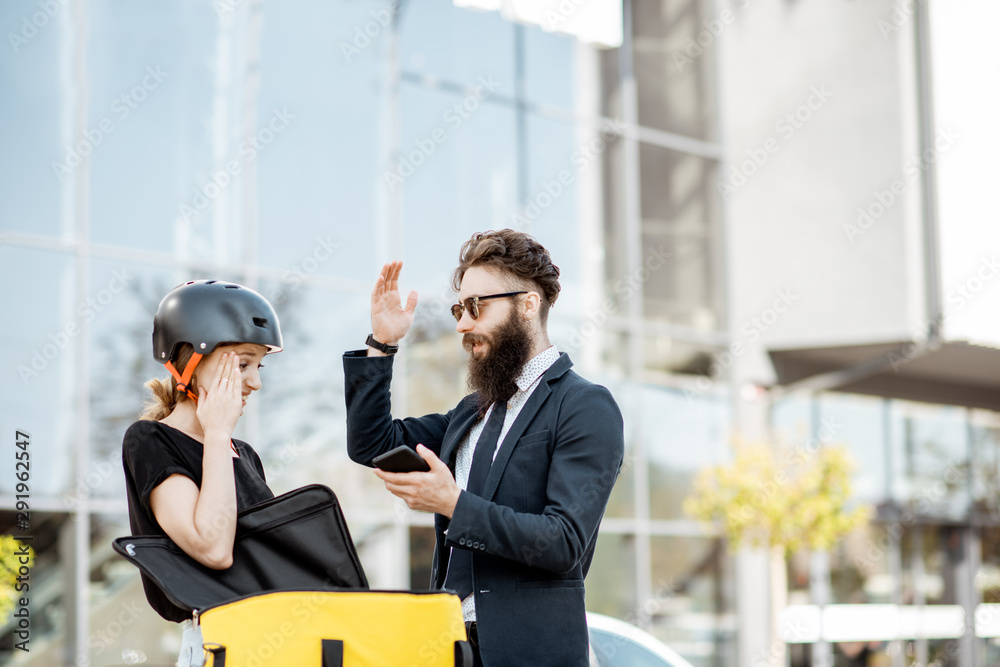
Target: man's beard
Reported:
[(492, 373)]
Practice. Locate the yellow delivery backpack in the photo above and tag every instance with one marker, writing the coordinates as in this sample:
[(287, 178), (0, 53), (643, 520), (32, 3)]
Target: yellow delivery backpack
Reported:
[(337, 629), (297, 596)]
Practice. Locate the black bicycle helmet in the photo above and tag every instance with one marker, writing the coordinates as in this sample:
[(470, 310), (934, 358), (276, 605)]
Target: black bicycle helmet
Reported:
[(206, 313)]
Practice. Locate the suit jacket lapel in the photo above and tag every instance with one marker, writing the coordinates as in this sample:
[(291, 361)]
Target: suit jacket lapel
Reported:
[(524, 418)]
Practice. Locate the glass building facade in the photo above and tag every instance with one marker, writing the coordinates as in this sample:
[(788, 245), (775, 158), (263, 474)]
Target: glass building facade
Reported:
[(294, 148)]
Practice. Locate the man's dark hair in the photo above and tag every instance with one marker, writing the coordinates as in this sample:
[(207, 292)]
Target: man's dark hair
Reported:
[(519, 257)]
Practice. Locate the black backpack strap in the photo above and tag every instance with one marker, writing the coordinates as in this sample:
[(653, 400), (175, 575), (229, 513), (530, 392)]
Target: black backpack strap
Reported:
[(333, 653), (463, 654), (218, 654)]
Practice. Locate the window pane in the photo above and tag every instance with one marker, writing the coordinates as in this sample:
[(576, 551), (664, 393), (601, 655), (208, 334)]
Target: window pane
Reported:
[(859, 566), (857, 422), (149, 79), (38, 359), (694, 612), (682, 434), (677, 215), (551, 199), (298, 418), (468, 183), (120, 355), (930, 459), (433, 31), (549, 67), (316, 180), (611, 580), (673, 86), (33, 117), (985, 442)]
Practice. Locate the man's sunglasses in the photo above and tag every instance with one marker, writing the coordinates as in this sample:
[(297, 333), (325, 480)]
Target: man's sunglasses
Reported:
[(472, 304)]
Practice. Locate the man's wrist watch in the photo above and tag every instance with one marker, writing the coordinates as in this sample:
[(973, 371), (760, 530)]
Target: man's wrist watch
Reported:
[(381, 347)]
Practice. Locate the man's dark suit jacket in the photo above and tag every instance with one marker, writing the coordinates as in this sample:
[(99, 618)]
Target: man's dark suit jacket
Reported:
[(533, 531)]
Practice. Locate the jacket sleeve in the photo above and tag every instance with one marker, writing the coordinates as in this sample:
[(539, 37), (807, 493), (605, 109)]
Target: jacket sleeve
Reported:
[(585, 462), (371, 430)]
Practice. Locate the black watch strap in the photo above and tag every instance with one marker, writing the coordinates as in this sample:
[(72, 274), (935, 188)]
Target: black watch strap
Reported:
[(381, 347)]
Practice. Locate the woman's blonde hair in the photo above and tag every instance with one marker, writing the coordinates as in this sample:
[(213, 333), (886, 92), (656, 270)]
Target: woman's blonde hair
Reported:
[(165, 395)]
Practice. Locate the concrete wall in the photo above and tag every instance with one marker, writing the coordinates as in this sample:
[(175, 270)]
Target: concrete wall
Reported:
[(819, 116)]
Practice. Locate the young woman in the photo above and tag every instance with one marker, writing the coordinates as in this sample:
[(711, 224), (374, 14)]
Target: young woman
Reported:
[(185, 474)]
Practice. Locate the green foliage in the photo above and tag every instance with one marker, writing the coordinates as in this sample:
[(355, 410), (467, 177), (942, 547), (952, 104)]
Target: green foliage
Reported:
[(10, 564), (790, 499)]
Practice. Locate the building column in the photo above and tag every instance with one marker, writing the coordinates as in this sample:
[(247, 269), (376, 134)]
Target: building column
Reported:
[(753, 571)]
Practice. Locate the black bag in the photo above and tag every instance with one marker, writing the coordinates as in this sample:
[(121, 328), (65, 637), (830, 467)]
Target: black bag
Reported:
[(296, 541)]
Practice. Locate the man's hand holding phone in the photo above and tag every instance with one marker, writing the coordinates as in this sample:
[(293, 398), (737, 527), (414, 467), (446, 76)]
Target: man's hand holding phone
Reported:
[(432, 489)]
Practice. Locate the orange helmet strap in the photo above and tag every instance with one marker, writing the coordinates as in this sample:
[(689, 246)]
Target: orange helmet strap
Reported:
[(183, 380)]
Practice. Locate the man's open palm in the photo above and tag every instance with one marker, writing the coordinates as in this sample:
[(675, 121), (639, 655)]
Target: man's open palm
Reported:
[(390, 321)]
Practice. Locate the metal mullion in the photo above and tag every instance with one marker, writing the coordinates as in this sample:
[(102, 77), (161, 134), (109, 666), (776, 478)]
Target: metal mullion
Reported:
[(78, 617), (629, 127), (636, 360)]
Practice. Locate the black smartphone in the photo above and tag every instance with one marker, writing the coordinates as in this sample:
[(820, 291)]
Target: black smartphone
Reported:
[(401, 459)]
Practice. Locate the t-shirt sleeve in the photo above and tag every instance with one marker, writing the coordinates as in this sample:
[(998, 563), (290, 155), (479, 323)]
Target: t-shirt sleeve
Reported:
[(151, 458)]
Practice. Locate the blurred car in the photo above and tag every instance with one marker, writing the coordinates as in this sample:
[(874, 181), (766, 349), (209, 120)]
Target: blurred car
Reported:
[(615, 643)]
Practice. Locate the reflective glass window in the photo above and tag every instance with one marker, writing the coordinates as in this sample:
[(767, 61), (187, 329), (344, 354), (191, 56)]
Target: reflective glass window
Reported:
[(38, 362), (692, 605), (150, 96), (433, 31), (611, 586), (858, 423), (34, 119), (458, 175), (318, 181), (930, 458), (673, 49), (124, 298), (682, 433)]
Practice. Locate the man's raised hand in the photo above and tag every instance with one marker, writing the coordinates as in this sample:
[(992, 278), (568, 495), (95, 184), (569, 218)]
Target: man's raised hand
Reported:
[(390, 321)]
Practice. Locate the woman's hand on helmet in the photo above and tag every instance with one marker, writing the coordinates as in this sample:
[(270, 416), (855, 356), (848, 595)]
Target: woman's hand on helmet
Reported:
[(220, 405), (390, 321)]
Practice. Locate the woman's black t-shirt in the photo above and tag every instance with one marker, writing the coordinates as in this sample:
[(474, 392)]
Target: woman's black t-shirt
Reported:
[(153, 451)]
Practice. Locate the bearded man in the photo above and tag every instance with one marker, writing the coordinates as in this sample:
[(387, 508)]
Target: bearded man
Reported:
[(520, 470)]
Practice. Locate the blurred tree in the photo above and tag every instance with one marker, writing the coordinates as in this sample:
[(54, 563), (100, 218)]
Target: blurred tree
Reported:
[(10, 563), (780, 499), (787, 500)]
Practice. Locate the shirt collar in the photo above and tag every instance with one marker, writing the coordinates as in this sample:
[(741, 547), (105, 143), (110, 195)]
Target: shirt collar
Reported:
[(537, 365)]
